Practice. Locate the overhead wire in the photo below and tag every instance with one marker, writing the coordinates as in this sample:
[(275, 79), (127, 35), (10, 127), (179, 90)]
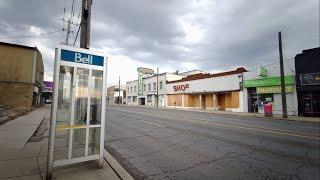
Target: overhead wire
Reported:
[(35, 35), (78, 10)]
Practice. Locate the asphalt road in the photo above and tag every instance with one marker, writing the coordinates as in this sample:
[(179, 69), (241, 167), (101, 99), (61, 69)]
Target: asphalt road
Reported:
[(174, 144)]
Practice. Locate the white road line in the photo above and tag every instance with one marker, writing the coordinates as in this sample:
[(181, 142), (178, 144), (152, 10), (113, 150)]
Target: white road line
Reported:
[(153, 123), (261, 129)]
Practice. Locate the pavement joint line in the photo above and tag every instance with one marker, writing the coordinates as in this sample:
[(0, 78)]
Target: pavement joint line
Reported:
[(155, 124), (274, 131)]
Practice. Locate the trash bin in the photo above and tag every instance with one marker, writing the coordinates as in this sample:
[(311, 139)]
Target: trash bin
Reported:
[(267, 110)]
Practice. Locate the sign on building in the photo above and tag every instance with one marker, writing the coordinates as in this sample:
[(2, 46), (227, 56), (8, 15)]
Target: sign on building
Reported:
[(263, 72), (274, 89), (77, 122), (180, 87), (269, 81), (140, 83), (310, 79)]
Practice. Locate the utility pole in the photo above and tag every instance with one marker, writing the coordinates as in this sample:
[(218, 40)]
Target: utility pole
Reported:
[(157, 86), (68, 32), (283, 88), (119, 92), (85, 24), (69, 23)]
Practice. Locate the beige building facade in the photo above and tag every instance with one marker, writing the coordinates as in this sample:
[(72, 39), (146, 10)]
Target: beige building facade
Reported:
[(21, 76)]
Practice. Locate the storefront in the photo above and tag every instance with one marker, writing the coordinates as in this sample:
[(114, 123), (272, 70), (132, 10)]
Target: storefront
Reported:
[(308, 82), (221, 91), (268, 90)]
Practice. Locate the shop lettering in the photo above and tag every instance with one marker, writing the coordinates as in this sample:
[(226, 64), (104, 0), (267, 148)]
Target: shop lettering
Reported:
[(85, 60), (180, 87)]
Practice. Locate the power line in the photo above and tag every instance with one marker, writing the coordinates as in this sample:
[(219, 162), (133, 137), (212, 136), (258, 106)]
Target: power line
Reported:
[(75, 40), (36, 35), (273, 63)]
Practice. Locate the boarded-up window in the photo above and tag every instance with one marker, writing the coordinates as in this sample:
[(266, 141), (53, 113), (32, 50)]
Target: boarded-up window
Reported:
[(175, 100), (209, 100), (235, 99)]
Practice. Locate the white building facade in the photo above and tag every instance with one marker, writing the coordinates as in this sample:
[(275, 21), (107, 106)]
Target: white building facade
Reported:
[(148, 97), (221, 91)]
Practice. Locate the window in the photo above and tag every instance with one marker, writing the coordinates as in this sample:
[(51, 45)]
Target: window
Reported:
[(160, 84), (129, 99), (154, 86), (144, 87), (131, 89), (134, 98), (149, 87), (135, 88), (149, 98)]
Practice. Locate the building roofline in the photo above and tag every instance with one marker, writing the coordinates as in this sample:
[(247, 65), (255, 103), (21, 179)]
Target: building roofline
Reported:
[(154, 76), (208, 75), (19, 45), (190, 71)]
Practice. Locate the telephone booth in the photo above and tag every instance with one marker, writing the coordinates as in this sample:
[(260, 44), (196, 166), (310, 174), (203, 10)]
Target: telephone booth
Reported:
[(77, 122)]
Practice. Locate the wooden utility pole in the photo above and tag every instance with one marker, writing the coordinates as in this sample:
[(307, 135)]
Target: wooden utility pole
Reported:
[(157, 86), (69, 23), (283, 87), (119, 92), (85, 24)]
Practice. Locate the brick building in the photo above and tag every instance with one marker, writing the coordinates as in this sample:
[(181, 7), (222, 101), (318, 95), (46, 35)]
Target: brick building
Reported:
[(21, 76)]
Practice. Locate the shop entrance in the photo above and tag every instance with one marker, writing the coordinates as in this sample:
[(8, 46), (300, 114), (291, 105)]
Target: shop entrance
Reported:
[(78, 108), (142, 101), (311, 105)]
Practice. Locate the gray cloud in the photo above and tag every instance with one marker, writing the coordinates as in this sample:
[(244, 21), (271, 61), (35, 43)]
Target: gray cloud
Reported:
[(222, 34)]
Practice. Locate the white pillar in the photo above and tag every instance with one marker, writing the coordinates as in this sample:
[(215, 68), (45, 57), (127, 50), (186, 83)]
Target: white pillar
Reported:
[(200, 99), (215, 102), (182, 99), (165, 100)]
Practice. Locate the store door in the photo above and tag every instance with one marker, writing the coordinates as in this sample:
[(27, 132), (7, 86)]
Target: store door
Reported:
[(316, 105), (142, 101), (311, 105)]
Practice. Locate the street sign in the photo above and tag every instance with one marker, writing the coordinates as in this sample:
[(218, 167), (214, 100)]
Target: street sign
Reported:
[(77, 122)]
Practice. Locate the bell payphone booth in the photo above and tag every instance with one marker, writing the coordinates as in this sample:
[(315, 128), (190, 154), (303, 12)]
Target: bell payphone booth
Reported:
[(78, 110)]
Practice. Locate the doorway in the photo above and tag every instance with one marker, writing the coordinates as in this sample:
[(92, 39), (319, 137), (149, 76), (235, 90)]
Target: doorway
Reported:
[(142, 101), (311, 105)]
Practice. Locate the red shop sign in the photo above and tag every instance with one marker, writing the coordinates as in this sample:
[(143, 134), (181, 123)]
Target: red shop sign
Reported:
[(180, 87)]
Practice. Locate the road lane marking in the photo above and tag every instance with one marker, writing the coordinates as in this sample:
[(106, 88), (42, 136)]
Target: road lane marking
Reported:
[(261, 129), (153, 123)]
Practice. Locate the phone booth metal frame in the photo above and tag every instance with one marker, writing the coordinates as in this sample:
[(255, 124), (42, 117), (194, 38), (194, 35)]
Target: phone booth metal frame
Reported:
[(88, 65)]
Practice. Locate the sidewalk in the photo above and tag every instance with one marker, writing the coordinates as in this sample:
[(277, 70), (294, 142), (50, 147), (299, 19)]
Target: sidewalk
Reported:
[(257, 115), (23, 152)]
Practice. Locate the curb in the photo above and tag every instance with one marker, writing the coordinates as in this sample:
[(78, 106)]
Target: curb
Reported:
[(4, 119), (115, 165)]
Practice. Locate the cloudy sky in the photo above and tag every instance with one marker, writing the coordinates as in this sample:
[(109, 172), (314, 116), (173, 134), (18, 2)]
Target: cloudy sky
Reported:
[(210, 35)]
